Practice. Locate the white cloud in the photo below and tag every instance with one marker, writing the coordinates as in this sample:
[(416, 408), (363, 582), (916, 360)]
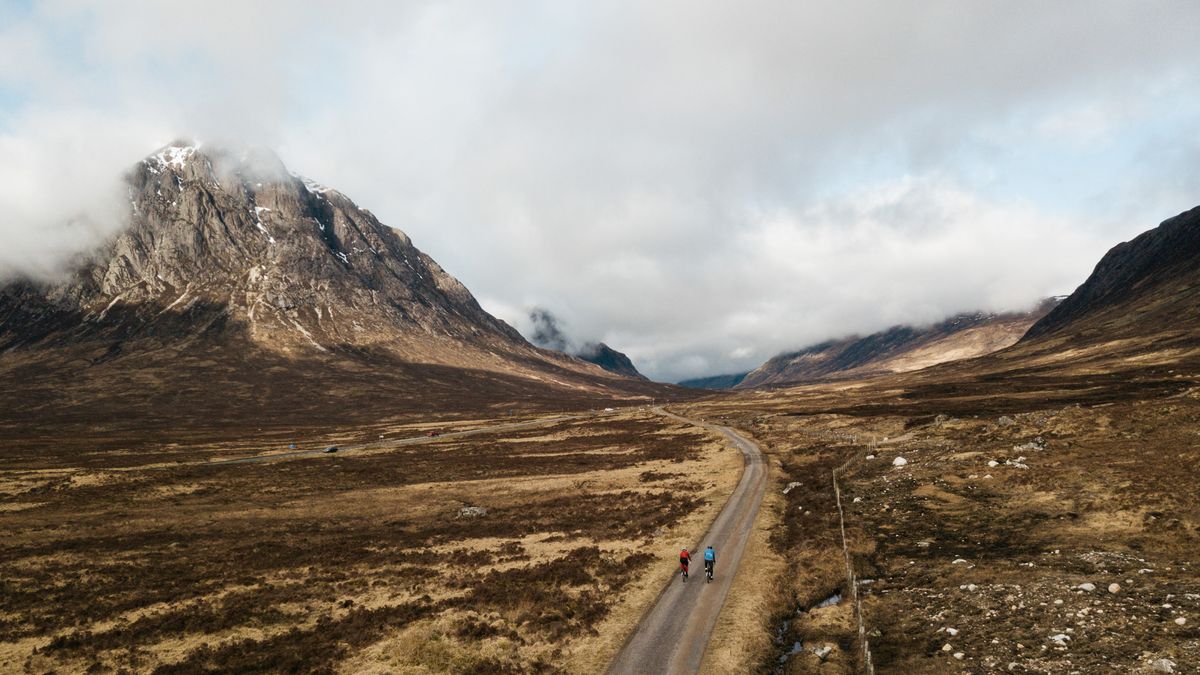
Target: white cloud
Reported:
[(699, 184)]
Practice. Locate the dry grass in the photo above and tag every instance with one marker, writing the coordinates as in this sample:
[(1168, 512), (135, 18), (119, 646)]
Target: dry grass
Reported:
[(357, 562), (1108, 497), (743, 632), (720, 476)]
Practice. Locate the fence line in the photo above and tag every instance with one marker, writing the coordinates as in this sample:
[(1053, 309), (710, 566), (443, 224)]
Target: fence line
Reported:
[(851, 578)]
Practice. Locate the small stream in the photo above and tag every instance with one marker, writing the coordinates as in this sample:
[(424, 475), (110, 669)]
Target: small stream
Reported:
[(828, 602), (781, 633)]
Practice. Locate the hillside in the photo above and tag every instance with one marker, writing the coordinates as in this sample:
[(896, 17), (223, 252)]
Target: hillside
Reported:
[(1140, 287), (897, 349), (240, 292), (715, 381)]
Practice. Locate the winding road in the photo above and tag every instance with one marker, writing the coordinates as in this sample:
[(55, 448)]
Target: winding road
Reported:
[(674, 633)]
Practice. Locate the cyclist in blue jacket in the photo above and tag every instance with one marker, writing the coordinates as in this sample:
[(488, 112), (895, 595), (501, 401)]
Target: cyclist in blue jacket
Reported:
[(710, 561)]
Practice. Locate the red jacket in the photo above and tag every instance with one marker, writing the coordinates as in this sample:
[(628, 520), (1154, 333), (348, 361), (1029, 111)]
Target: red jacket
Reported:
[(684, 556)]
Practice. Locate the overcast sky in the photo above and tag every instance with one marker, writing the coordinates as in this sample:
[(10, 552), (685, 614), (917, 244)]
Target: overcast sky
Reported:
[(699, 184)]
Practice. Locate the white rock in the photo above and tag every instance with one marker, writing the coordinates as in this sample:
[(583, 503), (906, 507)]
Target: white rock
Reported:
[(472, 512), (1061, 639), (959, 655), (857, 500), (946, 647), (993, 463), (972, 587), (870, 456), (1087, 586), (899, 461), (1180, 621), (791, 486), (823, 652), (952, 631), (959, 561), (1163, 666), (1058, 602), (1114, 588)]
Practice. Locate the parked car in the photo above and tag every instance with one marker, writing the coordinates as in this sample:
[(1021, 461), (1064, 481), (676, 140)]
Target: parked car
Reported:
[(432, 433), (332, 448)]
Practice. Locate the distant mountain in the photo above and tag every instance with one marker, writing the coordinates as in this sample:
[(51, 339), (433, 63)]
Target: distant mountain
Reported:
[(897, 349), (609, 359), (1147, 287), (240, 290), (1130, 332), (715, 381)]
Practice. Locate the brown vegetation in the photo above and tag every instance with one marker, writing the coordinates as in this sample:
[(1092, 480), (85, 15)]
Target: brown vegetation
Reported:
[(1094, 482), (305, 564)]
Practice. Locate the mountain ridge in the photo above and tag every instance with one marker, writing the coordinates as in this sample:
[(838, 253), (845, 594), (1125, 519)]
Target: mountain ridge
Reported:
[(901, 348), (609, 359), (1147, 281)]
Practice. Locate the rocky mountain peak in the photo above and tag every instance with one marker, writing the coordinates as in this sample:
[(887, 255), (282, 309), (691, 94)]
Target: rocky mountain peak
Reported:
[(234, 235)]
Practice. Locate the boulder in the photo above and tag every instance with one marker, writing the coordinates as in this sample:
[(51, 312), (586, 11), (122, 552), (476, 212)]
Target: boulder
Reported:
[(472, 512)]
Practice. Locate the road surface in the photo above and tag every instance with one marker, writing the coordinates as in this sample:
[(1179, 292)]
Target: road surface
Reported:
[(674, 633)]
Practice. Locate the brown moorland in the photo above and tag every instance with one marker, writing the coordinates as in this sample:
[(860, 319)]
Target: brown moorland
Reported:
[(1019, 487), (376, 559)]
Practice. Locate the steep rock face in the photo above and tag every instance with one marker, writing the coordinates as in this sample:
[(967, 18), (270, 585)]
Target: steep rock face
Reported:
[(240, 241), (1147, 286), (897, 349), (609, 359)]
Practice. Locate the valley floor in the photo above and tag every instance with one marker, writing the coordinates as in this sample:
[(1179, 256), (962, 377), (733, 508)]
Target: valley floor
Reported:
[(1019, 534), (991, 547), (534, 549)]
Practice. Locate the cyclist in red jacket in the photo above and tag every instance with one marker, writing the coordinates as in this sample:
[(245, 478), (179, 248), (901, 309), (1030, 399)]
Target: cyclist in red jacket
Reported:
[(684, 559)]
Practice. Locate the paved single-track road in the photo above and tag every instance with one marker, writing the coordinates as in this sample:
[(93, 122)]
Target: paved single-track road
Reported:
[(672, 636)]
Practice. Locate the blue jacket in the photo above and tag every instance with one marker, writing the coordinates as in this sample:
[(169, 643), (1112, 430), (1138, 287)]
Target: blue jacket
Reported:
[(710, 555)]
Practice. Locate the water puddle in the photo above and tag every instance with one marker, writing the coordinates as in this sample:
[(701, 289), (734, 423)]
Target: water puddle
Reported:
[(797, 647), (828, 602), (782, 631)]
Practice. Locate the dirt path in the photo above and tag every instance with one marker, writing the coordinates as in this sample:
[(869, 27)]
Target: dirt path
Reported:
[(674, 633)]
